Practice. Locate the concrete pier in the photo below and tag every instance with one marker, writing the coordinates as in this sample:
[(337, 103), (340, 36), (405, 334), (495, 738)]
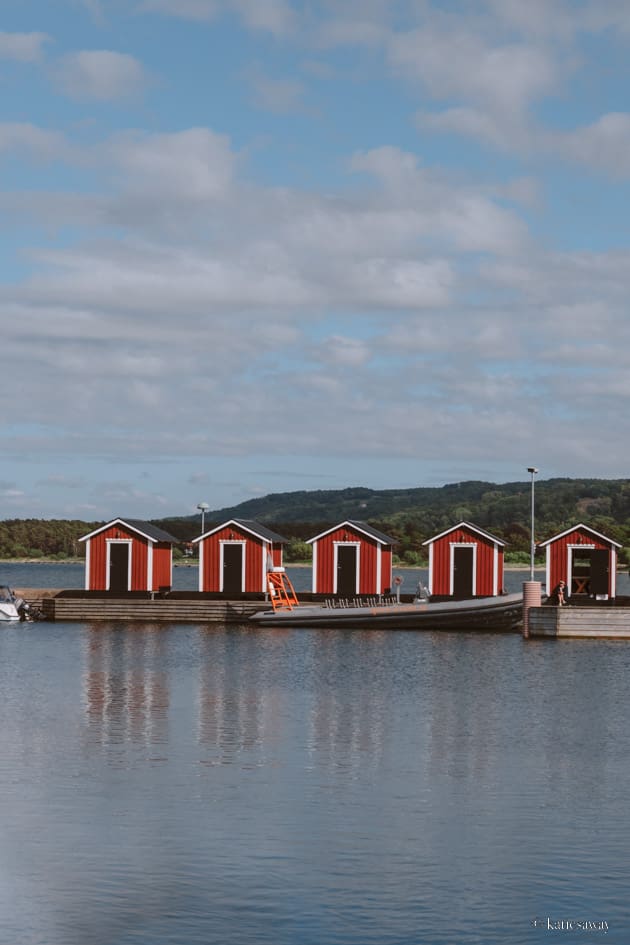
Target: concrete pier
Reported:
[(575, 622)]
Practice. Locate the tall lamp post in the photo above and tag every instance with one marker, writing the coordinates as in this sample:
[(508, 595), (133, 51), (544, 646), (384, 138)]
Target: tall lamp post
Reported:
[(203, 508), (533, 471)]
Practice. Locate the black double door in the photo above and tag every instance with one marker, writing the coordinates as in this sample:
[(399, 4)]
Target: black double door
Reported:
[(600, 559), (590, 570)]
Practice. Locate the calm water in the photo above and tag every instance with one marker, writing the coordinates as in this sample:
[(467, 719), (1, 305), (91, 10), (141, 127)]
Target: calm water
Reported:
[(202, 785)]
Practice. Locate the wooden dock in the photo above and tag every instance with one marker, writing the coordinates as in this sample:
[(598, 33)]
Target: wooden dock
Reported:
[(594, 622), (159, 610), (175, 607)]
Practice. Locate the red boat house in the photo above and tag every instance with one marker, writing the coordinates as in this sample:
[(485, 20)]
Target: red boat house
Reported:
[(128, 555), (585, 560), (465, 561), (234, 557), (352, 558)]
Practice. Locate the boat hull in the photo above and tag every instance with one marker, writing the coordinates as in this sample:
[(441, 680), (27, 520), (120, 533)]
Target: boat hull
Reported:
[(8, 613), (503, 613)]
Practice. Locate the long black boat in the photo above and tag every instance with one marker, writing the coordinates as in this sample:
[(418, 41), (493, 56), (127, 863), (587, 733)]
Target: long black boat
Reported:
[(503, 613)]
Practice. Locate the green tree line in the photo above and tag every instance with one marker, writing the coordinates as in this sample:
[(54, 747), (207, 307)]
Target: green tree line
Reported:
[(43, 538), (410, 516)]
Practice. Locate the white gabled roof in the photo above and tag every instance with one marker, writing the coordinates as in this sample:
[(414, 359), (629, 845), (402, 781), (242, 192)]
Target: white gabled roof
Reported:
[(145, 529), (472, 528), (575, 528), (362, 527), (247, 525)]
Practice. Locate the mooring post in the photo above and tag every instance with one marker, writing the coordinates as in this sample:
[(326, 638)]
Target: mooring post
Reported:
[(532, 597)]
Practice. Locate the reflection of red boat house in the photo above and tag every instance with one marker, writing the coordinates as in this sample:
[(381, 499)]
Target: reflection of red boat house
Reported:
[(585, 560), (352, 558), (234, 557), (465, 561), (128, 555)]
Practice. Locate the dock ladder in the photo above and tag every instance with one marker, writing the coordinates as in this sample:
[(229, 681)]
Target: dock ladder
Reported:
[(281, 591)]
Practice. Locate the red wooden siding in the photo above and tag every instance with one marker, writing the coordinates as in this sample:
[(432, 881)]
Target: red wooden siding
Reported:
[(139, 563), (98, 577), (558, 557), (441, 562), (96, 560), (367, 550), (276, 554), (386, 568), (255, 558), (162, 565)]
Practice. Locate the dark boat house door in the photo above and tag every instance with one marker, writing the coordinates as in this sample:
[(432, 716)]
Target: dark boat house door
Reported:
[(600, 563), (119, 566), (233, 569), (346, 570), (463, 572)]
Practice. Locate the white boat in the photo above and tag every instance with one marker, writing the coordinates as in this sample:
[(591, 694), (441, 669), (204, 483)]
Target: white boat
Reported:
[(9, 605)]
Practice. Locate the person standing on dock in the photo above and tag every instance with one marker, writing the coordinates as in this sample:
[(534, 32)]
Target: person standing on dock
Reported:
[(557, 595)]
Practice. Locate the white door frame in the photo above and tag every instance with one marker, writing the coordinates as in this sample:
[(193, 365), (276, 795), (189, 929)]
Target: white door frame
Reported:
[(118, 541), (357, 574), (451, 564), (222, 544)]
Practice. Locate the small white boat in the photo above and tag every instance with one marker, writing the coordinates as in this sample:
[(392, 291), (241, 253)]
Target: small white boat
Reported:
[(9, 605)]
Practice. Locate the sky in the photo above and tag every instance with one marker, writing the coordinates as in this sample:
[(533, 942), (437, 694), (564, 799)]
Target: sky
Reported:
[(256, 246)]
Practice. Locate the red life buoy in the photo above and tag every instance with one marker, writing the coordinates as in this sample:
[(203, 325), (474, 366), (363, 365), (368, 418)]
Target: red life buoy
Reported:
[(398, 580)]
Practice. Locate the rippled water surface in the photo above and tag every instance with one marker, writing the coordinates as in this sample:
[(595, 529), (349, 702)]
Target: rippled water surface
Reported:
[(192, 784)]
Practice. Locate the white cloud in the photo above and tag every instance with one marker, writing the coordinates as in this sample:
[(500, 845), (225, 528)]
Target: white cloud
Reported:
[(465, 218), (187, 9), (505, 77), (192, 333), (344, 351), (273, 16), (509, 132), (604, 144), (541, 19), (27, 139), (276, 95), (404, 283), (195, 164), (101, 75), (23, 47), (351, 32)]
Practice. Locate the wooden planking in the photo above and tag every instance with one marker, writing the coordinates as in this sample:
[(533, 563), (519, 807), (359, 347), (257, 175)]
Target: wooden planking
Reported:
[(173, 611), (612, 622)]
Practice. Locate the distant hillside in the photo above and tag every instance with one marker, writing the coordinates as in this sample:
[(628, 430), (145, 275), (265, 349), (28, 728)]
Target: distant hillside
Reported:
[(410, 516), (413, 515)]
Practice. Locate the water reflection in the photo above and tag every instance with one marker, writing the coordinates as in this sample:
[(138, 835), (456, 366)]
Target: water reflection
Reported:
[(125, 685), (243, 712), (338, 787), (346, 718), (238, 711)]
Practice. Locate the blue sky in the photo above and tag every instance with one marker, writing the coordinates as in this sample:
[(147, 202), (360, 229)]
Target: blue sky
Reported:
[(252, 246)]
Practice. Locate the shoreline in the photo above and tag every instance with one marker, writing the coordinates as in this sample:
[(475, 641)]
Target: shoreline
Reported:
[(289, 564)]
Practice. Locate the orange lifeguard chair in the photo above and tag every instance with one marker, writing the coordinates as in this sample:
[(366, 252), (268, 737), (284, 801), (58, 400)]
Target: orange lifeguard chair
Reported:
[(281, 592)]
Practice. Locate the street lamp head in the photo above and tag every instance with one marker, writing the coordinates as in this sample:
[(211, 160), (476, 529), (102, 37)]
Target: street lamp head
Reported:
[(532, 469), (203, 506)]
